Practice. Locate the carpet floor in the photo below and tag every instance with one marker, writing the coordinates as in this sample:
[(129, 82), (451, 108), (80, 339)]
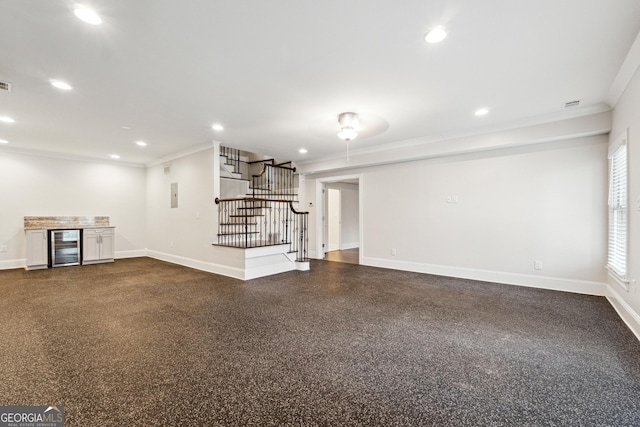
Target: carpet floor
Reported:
[(141, 342)]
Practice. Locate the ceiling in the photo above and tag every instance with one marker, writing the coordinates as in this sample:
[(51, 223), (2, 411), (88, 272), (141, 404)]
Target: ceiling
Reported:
[(277, 73)]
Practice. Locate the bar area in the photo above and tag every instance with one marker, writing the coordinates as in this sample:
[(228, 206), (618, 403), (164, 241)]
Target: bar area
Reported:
[(60, 241)]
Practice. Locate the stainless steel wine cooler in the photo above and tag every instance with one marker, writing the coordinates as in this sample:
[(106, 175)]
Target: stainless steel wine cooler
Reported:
[(65, 247)]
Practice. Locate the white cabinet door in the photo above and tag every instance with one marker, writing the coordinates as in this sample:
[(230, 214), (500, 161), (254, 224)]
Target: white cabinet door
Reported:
[(37, 249), (90, 246), (98, 245), (107, 250)]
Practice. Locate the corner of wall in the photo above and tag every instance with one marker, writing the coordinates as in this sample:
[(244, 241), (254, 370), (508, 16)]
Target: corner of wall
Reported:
[(624, 310)]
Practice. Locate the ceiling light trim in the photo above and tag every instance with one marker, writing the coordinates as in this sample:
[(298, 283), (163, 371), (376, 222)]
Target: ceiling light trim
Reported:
[(87, 15), (436, 35), (60, 84)]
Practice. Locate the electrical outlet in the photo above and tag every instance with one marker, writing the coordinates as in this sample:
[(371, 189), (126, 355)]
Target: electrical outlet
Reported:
[(393, 251), (537, 265), (3, 248), (171, 244)]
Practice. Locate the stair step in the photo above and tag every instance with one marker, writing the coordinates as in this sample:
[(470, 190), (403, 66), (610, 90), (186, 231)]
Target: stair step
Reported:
[(243, 216), (227, 224), (237, 234)]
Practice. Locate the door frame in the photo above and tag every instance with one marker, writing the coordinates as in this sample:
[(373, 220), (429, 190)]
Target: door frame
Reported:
[(321, 222)]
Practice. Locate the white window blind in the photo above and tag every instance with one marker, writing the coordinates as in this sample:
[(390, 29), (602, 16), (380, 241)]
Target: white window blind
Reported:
[(618, 216)]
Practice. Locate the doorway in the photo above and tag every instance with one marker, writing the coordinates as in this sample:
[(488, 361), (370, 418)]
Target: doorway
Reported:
[(341, 229)]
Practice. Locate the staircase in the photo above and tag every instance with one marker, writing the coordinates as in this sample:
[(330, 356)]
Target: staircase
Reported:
[(266, 215)]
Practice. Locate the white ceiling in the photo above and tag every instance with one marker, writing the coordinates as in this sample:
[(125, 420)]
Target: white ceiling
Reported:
[(277, 73)]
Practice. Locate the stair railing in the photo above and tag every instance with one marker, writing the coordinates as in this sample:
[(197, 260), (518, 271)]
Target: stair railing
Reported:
[(252, 222), (275, 181), (233, 156)]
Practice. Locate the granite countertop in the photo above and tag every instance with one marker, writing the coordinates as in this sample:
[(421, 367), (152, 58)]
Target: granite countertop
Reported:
[(65, 222)]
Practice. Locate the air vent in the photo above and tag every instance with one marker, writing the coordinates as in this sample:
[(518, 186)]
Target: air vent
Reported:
[(571, 104), (5, 86)]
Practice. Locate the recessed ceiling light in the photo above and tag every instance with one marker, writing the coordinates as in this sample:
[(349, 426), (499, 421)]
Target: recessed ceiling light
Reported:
[(217, 127), (6, 119), (436, 35), (3, 141), (126, 127), (482, 112), (302, 151), (87, 15), (141, 143), (60, 84), (114, 156)]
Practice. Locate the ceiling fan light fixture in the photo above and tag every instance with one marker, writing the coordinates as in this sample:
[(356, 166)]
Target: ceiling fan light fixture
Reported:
[(348, 122), (347, 133)]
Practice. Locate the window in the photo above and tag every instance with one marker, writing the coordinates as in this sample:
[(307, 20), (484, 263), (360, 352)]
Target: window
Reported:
[(618, 214)]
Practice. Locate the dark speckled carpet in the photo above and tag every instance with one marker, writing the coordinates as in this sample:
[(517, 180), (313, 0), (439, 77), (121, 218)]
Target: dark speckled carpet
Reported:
[(141, 342)]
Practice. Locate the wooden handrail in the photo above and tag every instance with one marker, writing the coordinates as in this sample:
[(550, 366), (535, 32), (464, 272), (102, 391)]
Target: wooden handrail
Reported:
[(273, 163), (264, 169), (262, 161)]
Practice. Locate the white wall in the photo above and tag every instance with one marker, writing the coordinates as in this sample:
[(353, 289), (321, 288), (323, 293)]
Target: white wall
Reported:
[(190, 229), (626, 115), (41, 186), (542, 202)]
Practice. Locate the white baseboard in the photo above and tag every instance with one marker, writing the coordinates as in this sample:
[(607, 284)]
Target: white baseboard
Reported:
[(624, 310), (542, 282), (12, 263), (247, 273), (131, 254), (21, 263), (352, 245), (268, 270), (210, 267)]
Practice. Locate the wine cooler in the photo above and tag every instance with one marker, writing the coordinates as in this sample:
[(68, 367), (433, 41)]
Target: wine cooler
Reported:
[(65, 247)]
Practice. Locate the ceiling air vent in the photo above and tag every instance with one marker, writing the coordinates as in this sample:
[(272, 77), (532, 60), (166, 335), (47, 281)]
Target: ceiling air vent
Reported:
[(571, 104), (5, 86)]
